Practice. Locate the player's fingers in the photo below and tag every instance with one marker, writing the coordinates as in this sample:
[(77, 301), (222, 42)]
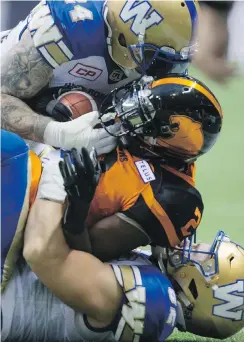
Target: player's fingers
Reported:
[(78, 162), (100, 138), (68, 165), (107, 145), (90, 119), (101, 133), (89, 168), (115, 129)]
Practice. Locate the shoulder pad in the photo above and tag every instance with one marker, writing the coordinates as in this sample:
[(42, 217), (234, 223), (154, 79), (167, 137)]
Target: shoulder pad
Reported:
[(67, 30)]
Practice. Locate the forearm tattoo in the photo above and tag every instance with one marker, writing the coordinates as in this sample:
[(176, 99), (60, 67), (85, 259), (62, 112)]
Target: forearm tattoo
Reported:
[(23, 74), (17, 117)]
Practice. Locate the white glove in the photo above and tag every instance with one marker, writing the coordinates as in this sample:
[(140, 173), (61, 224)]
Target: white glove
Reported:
[(51, 184), (81, 133)]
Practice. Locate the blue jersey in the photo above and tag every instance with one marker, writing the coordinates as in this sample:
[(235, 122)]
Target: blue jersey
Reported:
[(149, 310), (72, 37), (82, 28), (15, 199), (21, 170), (65, 30)]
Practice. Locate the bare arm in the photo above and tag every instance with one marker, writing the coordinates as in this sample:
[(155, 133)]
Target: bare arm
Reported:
[(79, 279), (109, 238), (112, 237), (80, 242), (23, 74)]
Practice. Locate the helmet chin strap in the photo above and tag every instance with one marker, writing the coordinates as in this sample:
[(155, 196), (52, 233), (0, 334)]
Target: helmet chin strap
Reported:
[(184, 311), (141, 40), (185, 301)]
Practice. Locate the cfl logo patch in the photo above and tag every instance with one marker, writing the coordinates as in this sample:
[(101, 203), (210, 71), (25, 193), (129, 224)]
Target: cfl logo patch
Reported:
[(139, 11), (116, 75)]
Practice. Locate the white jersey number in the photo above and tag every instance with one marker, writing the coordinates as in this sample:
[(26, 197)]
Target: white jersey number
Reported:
[(46, 35)]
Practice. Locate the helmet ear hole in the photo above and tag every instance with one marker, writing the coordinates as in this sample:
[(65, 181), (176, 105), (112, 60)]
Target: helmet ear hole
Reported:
[(231, 259), (193, 289), (122, 40)]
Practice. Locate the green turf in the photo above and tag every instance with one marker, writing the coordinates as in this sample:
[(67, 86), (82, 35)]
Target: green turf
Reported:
[(220, 178), (187, 337), (220, 172)]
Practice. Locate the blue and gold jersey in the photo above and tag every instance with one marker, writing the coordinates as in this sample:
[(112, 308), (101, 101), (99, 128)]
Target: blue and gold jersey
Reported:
[(148, 311), (68, 30), (72, 38)]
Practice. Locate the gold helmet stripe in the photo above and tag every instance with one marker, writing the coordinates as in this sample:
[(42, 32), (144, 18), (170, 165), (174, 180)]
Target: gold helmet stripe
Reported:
[(192, 84)]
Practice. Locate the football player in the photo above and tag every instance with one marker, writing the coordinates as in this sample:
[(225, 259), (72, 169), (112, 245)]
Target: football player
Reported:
[(149, 185), (95, 44), (146, 193), (198, 288), (129, 299)]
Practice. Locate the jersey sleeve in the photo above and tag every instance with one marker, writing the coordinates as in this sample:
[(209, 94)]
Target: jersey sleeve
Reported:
[(169, 210), (148, 311), (148, 307), (66, 30)]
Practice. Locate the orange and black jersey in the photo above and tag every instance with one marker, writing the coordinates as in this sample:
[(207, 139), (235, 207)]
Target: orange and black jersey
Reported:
[(163, 201)]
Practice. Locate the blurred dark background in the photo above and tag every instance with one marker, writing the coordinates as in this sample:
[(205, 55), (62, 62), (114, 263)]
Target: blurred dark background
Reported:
[(14, 11)]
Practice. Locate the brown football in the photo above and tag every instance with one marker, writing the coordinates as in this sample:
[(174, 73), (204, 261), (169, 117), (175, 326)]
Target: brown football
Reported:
[(78, 102)]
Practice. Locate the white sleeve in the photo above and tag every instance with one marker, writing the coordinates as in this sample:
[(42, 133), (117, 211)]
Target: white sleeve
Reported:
[(51, 186)]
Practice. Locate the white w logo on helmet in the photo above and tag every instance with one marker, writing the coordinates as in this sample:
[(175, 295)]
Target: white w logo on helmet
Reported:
[(138, 12), (233, 296)]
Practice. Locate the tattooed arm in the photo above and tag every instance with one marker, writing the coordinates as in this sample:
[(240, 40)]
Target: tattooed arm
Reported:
[(23, 74)]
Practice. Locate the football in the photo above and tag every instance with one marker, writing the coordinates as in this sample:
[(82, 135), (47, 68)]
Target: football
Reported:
[(78, 102)]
